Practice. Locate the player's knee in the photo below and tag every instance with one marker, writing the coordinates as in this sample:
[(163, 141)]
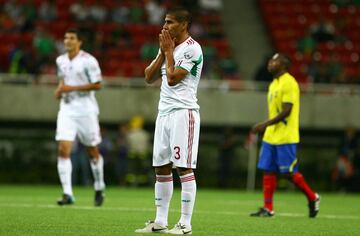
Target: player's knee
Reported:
[(184, 171), (64, 150), (163, 170), (267, 173), (93, 152)]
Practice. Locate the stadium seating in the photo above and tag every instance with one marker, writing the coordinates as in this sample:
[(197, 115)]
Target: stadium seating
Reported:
[(115, 59), (288, 21)]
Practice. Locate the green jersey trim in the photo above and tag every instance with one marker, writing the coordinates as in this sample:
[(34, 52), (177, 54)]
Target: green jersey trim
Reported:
[(194, 70)]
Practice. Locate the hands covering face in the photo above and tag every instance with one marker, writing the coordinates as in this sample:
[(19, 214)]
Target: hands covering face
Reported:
[(166, 42)]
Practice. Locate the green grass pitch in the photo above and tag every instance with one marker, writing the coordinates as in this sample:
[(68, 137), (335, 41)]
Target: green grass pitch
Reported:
[(31, 210)]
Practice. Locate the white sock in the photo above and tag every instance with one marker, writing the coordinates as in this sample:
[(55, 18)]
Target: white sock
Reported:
[(163, 192), (188, 194), (97, 167), (64, 169)]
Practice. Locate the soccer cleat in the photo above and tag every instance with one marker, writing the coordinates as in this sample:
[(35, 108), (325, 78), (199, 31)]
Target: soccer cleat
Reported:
[(314, 207), (99, 197), (180, 229), (66, 200), (263, 212), (152, 227)]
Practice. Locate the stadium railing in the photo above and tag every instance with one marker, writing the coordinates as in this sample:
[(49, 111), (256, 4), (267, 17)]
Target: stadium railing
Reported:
[(222, 85)]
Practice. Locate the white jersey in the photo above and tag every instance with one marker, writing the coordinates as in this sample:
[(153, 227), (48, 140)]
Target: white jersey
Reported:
[(81, 70), (187, 55)]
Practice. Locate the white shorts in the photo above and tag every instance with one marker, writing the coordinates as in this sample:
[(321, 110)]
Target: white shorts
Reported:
[(177, 139), (85, 127)]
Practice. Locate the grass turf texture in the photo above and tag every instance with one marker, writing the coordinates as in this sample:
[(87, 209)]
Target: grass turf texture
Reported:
[(31, 210)]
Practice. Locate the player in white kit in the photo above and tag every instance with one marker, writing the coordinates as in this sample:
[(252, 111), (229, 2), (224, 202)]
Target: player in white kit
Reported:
[(79, 75), (179, 62)]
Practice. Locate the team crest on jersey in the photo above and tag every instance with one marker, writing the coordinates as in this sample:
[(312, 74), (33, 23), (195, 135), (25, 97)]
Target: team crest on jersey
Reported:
[(188, 55)]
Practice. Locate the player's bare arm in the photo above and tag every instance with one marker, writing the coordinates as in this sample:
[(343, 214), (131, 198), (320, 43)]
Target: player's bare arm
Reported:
[(260, 127), (167, 45), (152, 71), (57, 92), (87, 87)]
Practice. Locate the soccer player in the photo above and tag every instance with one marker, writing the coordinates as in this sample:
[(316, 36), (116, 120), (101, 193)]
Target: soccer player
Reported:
[(278, 150), (80, 76), (177, 128)]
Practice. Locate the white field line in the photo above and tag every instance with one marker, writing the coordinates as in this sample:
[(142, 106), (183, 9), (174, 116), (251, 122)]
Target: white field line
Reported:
[(134, 209)]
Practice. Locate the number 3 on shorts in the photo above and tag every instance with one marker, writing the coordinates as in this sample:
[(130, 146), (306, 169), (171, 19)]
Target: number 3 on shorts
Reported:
[(177, 152)]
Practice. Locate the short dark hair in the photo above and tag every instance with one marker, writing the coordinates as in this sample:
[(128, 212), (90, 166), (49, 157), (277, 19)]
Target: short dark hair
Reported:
[(285, 60), (181, 15), (78, 33)]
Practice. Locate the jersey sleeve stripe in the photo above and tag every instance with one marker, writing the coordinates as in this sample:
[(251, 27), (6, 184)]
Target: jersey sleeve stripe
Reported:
[(190, 138)]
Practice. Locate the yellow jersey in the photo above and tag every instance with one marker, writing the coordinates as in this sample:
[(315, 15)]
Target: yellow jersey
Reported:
[(284, 89)]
